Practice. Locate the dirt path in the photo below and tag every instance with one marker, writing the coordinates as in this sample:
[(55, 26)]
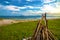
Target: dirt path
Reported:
[(10, 21)]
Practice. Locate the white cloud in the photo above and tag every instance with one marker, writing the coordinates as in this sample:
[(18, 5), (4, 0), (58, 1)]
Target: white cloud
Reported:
[(45, 8), (31, 12), (7, 2), (58, 4), (48, 1), (22, 7), (29, 7), (33, 0), (32, 7), (1, 6), (17, 8), (28, 0), (53, 14), (12, 8), (51, 9)]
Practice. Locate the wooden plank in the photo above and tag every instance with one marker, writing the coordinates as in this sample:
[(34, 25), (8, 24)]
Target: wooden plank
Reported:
[(42, 32)]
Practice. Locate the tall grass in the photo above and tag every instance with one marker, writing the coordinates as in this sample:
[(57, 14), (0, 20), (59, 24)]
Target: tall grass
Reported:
[(26, 29)]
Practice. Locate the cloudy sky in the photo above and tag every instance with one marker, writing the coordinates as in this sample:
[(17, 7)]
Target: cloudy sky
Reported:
[(28, 7)]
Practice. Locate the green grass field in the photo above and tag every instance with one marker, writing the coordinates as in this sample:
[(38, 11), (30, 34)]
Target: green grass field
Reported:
[(26, 29)]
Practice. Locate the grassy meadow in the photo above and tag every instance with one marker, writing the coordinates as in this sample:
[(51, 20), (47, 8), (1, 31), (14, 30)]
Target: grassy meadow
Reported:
[(26, 29)]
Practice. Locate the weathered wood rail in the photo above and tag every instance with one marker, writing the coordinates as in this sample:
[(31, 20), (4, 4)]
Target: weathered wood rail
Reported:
[(42, 32)]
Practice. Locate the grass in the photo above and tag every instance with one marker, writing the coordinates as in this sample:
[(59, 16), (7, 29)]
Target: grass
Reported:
[(26, 29)]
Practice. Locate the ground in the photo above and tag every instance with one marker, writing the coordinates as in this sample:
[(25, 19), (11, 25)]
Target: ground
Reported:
[(18, 31)]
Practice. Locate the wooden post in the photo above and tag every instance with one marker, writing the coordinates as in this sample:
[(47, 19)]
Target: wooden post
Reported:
[(46, 26), (42, 32)]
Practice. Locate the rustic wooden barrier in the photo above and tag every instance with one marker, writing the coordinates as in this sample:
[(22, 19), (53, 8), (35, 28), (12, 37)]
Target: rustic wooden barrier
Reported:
[(42, 32)]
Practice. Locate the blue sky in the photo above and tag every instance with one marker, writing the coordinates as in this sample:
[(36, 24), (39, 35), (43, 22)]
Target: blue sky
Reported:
[(28, 7)]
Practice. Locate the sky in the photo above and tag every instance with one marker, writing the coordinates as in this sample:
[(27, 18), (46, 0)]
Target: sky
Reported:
[(28, 7)]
